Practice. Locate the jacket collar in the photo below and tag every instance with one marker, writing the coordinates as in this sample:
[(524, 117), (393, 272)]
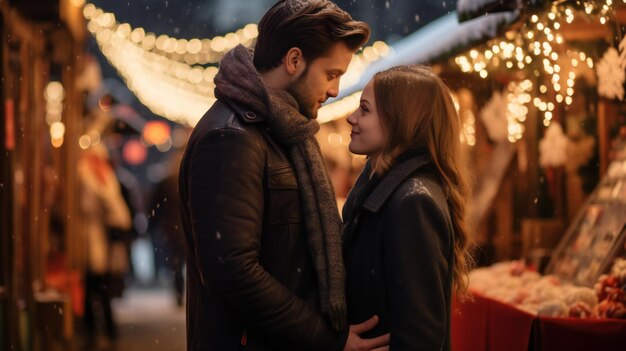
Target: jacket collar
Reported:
[(244, 113), (405, 165)]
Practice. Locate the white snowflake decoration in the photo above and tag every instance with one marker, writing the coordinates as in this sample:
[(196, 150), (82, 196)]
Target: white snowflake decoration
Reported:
[(553, 147), (493, 116), (611, 72)]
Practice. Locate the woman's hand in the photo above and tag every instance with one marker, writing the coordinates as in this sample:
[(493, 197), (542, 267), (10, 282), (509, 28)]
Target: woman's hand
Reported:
[(355, 343)]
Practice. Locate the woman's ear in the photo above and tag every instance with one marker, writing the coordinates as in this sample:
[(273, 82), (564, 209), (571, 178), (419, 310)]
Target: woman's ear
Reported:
[(294, 61)]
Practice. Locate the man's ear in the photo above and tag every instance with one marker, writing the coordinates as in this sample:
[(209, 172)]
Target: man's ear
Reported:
[(294, 61)]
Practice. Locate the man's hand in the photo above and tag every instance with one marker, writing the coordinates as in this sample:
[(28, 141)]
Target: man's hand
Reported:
[(355, 343)]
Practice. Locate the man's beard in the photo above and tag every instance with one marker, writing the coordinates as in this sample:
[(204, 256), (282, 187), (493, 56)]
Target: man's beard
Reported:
[(299, 91)]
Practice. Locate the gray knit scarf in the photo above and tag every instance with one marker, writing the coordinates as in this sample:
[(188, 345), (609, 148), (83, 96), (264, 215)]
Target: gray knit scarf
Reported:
[(238, 81)]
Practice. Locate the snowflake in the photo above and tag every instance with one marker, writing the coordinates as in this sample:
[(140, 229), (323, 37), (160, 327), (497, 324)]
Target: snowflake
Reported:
[(611, 74), (493, 116), (553, 147)]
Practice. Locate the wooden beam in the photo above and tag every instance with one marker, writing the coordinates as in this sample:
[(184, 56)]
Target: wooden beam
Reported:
[(584, 31)]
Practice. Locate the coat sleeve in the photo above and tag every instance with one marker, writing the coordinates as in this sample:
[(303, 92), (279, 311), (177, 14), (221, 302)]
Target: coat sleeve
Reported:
[(415, 248), (225, 187)]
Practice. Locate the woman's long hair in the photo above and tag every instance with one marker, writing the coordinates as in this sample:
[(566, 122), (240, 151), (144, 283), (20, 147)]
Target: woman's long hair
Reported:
[(416, 110)]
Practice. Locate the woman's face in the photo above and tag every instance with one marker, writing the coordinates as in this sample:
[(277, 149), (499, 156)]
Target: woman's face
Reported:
[(367, 134)]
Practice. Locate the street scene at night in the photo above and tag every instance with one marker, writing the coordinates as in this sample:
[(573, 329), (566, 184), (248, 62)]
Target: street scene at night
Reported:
[(338, 175)]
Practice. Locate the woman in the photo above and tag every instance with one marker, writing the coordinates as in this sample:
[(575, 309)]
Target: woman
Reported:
[(404, 238)]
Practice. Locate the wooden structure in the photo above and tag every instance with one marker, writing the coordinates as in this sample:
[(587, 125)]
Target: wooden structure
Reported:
[(42, 43)]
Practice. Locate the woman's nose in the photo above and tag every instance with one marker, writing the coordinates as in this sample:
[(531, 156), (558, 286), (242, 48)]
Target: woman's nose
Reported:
[(351, 119)]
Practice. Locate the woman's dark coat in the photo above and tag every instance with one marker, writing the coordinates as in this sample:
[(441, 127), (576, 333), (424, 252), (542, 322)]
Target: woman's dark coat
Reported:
[(398, 248)]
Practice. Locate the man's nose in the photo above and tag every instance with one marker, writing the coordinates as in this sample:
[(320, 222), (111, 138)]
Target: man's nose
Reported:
[(333, 91)]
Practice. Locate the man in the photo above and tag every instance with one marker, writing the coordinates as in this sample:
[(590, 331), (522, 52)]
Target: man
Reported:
[(265, 270)]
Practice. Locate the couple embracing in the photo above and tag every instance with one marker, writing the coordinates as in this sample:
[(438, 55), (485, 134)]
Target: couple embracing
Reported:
[(270, 264)]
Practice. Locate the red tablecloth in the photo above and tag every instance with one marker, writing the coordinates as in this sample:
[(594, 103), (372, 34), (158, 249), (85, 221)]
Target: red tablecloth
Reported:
[(486, 324)]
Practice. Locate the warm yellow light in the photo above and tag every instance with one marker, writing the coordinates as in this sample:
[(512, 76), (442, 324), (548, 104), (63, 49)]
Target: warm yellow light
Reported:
[(89, 11), (534, 18), (382, 48), (218, 44), (156, 132), (106, 20), (57, 143), (181, 46), (483, 74), (148, 42), (57, 130), (54, 92), (194, 46), (138, 35), (84, 142), (250, 31)]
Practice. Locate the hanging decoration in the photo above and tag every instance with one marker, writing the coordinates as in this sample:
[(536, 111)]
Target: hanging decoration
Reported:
[(553, 147), (611, 72)]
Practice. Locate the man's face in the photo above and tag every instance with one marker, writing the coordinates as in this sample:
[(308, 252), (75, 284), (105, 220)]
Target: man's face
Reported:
[(320, 79)]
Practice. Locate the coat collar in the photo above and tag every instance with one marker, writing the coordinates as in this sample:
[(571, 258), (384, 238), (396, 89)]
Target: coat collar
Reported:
[(245, 114), (404, 167)]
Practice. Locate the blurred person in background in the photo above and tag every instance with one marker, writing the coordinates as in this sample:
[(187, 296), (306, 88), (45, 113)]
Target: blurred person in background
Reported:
[(166, 223), (104, 211)]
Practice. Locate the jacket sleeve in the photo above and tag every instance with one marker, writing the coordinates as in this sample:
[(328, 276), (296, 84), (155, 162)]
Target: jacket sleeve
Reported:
[(225, 188), (415, 248)]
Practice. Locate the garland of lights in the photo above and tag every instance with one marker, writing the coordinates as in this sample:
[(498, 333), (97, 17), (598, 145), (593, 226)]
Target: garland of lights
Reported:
[(539, 47), (173, 77)]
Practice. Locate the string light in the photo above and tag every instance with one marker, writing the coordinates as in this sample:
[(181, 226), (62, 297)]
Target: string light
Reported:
[(169, 75), (54, 94), (539, 46)]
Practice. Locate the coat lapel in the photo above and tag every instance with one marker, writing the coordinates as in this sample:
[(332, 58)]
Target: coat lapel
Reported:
[(396, 175), (371, 194)]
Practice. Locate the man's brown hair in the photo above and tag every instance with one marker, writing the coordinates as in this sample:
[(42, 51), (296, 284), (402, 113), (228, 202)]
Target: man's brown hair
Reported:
[(313, 26)]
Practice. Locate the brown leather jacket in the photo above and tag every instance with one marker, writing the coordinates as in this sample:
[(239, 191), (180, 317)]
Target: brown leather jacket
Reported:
[(251, 284)]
